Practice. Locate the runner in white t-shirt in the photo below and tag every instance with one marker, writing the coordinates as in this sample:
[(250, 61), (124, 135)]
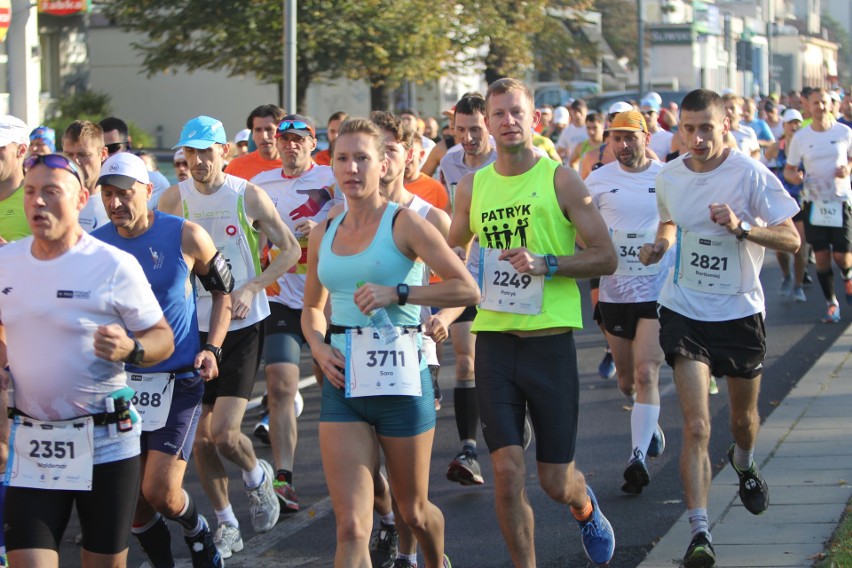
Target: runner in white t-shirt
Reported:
[(746, 138), (83, 141), (719, 209), (575, 132), (73, 310), (624, 192), (824, 150)]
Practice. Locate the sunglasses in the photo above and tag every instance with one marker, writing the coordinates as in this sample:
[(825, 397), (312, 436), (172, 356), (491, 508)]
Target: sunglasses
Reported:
[(115, 147), (56, 162), (295, 125)]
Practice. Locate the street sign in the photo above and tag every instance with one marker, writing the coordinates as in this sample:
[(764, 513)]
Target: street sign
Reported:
[(63, 7)]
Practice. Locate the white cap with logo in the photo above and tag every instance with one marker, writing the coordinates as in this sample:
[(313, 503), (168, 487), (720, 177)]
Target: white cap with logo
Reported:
[(122, 170)]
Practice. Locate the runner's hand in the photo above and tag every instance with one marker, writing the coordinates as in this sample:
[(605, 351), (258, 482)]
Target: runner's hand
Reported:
[(241, 303), (206, 364), (372, 296), (524, 261), (436, 329), (331, 363), (722, 215), (651, 253), (112, 342)]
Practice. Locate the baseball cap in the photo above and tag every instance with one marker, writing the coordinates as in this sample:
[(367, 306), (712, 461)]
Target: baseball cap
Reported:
[(630, 121), (560, 115), (202, 132), (835, 96), (791, 114), (296, 124), (651, 103), (13, 129), (179, 156), (620, 106), (242, 136), (654, 96), (122, 170), (47, 134)]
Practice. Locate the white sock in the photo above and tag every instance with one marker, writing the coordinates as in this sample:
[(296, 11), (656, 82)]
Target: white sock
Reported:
[(412, 558), (643, 424), (742, 458), (698, 522), (253, 478), (226, 515), (388, 519)]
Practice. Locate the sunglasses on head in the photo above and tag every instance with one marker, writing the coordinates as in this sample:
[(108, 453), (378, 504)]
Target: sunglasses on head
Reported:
[(56, 162), (295, 125), (115, 147)]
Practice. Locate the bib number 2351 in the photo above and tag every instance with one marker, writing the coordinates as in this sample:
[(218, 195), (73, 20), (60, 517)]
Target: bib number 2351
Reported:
[(51, 455)]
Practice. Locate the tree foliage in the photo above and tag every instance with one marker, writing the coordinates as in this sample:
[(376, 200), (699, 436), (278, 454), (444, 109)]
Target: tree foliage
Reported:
[(838, 34), (620, 27)]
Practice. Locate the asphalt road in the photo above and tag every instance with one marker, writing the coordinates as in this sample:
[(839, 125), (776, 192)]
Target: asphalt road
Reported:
[(796, 338)]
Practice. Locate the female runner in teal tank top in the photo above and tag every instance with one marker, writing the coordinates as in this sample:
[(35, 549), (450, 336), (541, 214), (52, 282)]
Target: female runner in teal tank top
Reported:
[(373, 243)]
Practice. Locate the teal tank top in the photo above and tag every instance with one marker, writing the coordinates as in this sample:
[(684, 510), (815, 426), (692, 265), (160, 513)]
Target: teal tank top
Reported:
[(380, 263)]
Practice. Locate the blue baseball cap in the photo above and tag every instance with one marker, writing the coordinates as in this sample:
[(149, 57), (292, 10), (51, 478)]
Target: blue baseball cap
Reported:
[(202, 132), (650, 103)]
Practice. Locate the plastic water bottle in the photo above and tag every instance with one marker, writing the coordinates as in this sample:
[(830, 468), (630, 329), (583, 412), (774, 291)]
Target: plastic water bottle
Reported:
[(381, 322)]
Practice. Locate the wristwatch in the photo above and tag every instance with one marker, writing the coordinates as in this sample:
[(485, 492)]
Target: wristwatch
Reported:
[(216, 351), (745, 229), (552, 264), (135, 357), (402, 291)]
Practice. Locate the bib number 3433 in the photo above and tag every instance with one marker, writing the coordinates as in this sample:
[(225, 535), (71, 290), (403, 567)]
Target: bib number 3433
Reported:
[(51, 455)]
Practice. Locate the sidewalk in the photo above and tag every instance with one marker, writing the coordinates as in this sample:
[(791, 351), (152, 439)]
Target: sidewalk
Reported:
[(804, 450)]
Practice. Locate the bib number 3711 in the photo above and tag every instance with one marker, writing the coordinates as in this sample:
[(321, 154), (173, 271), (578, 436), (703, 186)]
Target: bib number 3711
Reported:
[(374, 368)]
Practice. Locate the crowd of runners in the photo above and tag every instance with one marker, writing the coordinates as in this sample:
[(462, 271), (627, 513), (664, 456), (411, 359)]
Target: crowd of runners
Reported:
[(136, 314)]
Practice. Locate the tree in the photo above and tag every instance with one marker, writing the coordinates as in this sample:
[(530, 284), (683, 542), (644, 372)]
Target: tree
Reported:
[(839, 35), (381, 41), (620, 33)]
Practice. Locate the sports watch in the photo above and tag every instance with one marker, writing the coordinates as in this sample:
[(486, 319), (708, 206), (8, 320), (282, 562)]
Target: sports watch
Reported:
[(552, 264), (216, 351), (135, 357), (402, 291), (745, 229)]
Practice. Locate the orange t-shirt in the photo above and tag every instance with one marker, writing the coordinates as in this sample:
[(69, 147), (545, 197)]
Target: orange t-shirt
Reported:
[(249, 165), (322, 158), (430, 190)]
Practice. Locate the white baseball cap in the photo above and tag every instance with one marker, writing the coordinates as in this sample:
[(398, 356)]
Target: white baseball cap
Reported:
[(13, 129), (618, 107), (242, 136), (123, 170), (179, 156), (791, 114)]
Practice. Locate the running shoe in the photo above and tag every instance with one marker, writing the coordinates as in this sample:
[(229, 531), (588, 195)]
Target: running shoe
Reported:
[(714, 386), (700, 553), (832, 314), (596, 534), (787, 285), (807, 279), (607, 367), (658, 443), (754, 491), (227, 539), (527, 430), (636, 476), (264, 507), (847, 287), (465, 469), (799, 295), (203, 549), (261, 430), (403, 563), (447, 563), (384, 544), (287, 495), (299, 403)]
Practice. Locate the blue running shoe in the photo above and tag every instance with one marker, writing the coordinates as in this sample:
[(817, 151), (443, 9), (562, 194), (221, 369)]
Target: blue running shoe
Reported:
[(596, 533), (607, 367), (261, 430), (658, 443)]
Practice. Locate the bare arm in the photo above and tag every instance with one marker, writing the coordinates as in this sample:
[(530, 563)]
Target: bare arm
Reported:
[(198, 245), (460, 233), (113, 344), (170, 202), (434, 158), (782, 237)]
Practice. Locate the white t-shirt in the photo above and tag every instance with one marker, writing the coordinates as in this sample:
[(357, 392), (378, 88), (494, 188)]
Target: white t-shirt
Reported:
[(661, 143), (754, 194), (821, 153), (628, 202), (51, 310), (746, 139), (307, 197), (570, 136), (94, 214)]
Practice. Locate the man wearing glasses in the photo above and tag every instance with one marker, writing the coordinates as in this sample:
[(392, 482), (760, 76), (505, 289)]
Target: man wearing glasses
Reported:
[(117, 139), (83, 142)]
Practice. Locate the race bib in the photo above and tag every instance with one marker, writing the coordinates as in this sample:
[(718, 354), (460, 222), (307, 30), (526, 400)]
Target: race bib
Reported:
[(374, 368), (504, 289), (153, 398), (51, 455), (627, 246), (826, 213), (708, 264), (453, 195), (232, 252)]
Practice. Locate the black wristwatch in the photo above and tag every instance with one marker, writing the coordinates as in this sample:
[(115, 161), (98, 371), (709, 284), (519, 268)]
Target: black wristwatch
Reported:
[(135, 357), (216, 351), (402, 291), (745, 228)]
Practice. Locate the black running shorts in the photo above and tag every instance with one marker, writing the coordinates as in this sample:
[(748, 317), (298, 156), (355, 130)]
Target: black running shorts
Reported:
[(621, 320), (838, 239), (240, 362)]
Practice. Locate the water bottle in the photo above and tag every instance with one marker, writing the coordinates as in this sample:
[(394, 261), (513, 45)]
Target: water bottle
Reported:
[(381, 322)]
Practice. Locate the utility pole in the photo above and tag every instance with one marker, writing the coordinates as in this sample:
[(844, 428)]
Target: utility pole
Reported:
[(641, 51), (288, 87)]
